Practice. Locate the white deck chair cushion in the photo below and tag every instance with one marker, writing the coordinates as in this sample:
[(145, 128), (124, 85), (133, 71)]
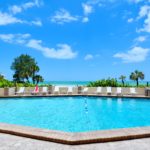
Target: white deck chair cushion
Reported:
[(56, 89), (99, 90), (44, 89), (119, 90), (70, 89), (132, 91), (21, 90), (108, 89), (85, 89)]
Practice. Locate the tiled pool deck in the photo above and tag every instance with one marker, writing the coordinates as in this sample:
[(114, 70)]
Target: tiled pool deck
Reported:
[(76, 138), (11, 142)]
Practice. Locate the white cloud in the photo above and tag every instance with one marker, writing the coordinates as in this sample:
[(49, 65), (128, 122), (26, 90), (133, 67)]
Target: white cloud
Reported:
[(15, 9), (63, 16), (144, 10), (130, 20), (35, 3), (6, 18), (85, 19), (135, 1), (141, 39), (28, 5), (144, 13), (37, 23), (9, 17), (89, 6), (15, 38), (62, 51), (134, 55), (19, 8), (146, 27), (88, 57), (88, 9)]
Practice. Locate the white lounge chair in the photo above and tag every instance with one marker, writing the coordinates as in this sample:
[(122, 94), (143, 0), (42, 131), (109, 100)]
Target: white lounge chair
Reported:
[(44, 90), (119, 90), (21, 90), (85, 90), (109, 92), (70, 90), (98, 90), (132, 91), (56, 89)]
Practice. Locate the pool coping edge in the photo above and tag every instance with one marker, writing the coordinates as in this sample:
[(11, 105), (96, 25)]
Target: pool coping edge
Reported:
[(70, 138)]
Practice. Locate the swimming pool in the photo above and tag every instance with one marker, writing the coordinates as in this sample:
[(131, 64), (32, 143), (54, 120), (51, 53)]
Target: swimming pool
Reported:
[(76, 114)]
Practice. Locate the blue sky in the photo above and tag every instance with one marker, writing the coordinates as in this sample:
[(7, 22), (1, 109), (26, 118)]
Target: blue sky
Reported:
[(77, 40)]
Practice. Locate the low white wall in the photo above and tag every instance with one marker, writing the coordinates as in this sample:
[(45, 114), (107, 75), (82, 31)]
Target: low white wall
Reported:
[(1, 91), (76, 90), (9, 91)]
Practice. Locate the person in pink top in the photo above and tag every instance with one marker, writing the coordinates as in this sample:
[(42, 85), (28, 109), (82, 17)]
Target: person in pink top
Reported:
[(36, 90)]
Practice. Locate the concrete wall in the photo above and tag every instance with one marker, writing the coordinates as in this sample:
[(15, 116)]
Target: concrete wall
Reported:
[(9, 91), (1, 91), (125, 91), (91, 90), (29, 90), (63, 90)]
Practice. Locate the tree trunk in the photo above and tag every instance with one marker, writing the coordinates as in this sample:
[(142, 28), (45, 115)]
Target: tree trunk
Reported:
[(27, 78), (33, 79), (122, 82), (137, 82), (37, 81)]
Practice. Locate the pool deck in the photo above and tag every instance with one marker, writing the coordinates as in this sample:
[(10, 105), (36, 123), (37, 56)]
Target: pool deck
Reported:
[(11, 142), (76, 95), (76, 138)]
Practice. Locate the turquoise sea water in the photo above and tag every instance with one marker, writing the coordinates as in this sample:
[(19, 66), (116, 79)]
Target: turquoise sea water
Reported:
[(76, 114), (67, 83), (84, 83)]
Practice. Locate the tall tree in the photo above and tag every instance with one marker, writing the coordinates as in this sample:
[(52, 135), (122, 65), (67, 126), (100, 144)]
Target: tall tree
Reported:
[(122, 78), (34, 69), (136, 75), (25, 67), (38, 79)]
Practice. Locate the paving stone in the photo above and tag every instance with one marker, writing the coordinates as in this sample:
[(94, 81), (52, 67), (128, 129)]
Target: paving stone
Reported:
[(10, 142)]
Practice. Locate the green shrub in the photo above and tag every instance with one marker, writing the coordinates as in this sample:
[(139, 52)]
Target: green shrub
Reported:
[(104, 82), (6, 83), (112, 82)]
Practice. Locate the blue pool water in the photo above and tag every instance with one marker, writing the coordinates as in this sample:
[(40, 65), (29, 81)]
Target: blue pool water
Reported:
[(76, 114)]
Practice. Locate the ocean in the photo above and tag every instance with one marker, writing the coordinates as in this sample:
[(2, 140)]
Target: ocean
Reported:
[(84, 83), (67, 83)]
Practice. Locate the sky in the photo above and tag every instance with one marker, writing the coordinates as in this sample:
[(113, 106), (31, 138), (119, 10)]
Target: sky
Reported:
[(77, 40)]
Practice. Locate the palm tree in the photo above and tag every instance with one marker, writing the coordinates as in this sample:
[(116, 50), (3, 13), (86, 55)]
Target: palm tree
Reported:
[(25, 68), (38, 79), (34, 69), (122, 78), (136, 76)]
